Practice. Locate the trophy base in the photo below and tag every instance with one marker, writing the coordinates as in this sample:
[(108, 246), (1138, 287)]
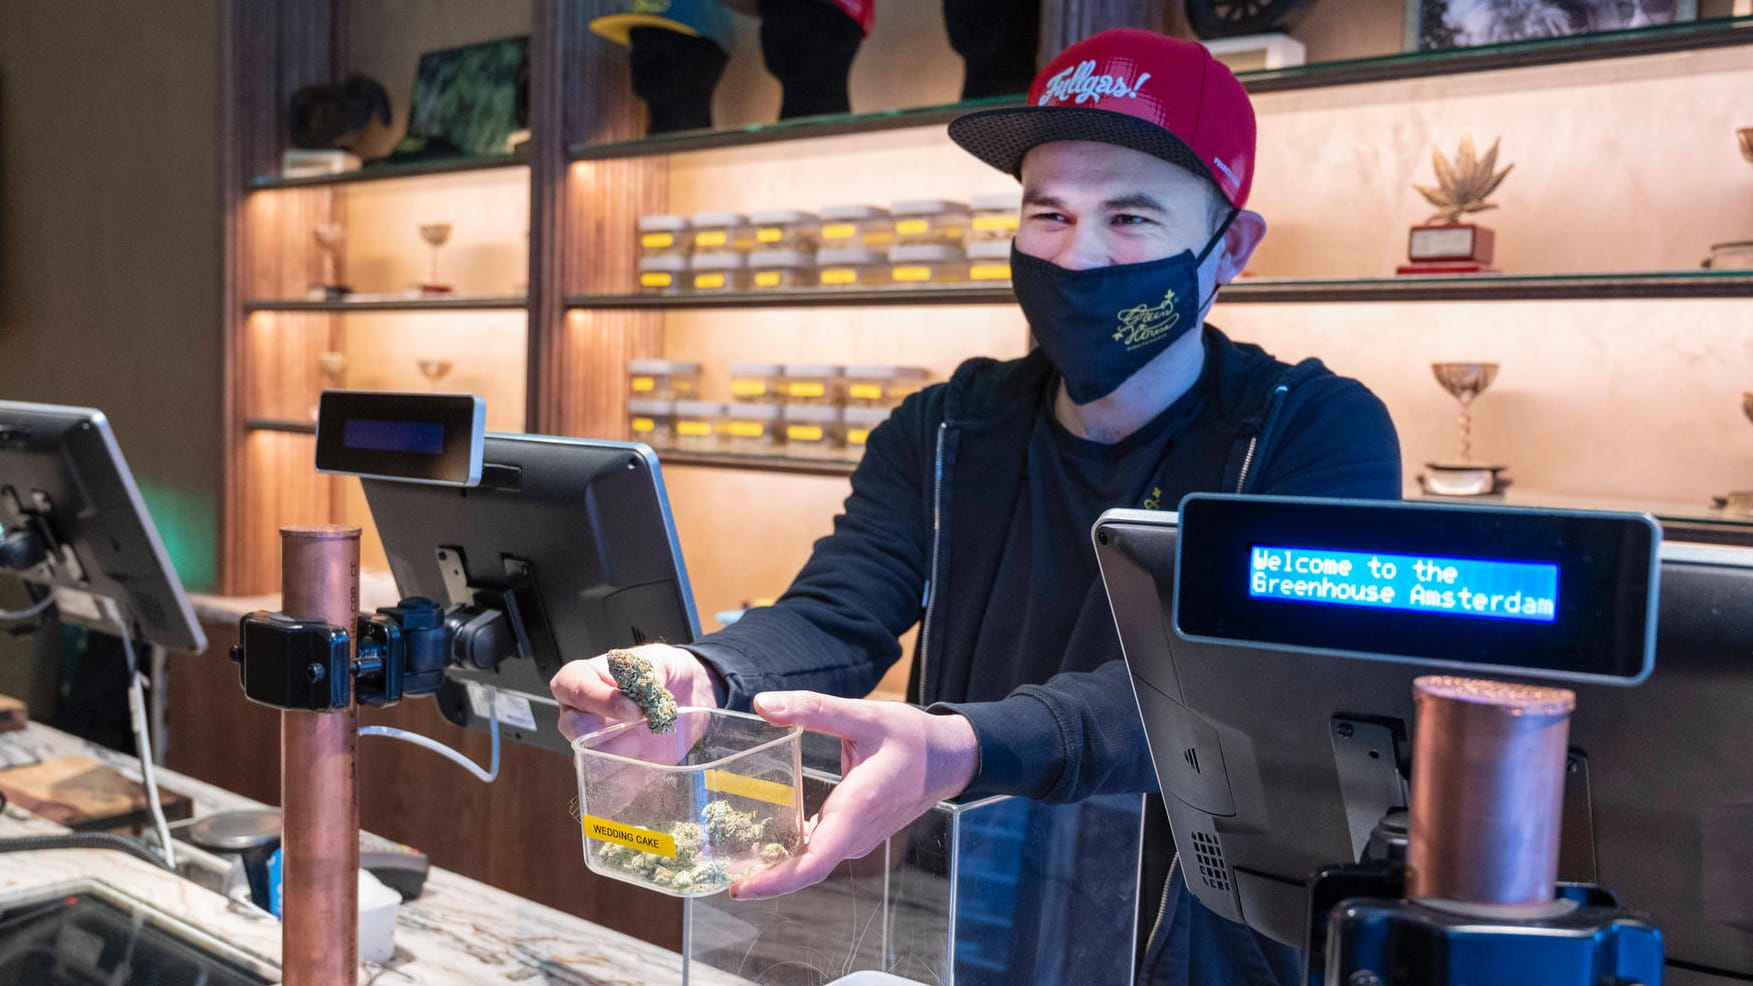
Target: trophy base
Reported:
[(1462, 479), (436, 289), (1735, 503), (1444, 268)]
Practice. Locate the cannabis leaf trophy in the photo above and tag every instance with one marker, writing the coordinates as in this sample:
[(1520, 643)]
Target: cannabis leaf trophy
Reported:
[(1445, 244)]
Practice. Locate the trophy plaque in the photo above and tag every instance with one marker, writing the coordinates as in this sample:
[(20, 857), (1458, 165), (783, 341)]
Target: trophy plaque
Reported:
[(1463, 476), (1445, 244)]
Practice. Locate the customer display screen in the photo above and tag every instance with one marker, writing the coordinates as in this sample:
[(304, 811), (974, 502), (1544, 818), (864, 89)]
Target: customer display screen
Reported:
[(1547, 593), (1481, 588), (421, 438)]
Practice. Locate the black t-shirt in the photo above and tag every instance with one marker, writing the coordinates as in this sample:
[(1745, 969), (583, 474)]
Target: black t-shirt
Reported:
[(1046, 613)]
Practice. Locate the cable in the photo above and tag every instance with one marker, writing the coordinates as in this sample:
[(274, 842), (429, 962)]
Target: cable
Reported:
[(484, 776), (143, 743), (82, 840), (24, 614)]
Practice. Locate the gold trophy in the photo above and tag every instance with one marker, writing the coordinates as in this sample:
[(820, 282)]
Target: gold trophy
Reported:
[(1445, 244), (1738, 502), (435, 235), (1737, 255), (1464, 477), (329, 237)]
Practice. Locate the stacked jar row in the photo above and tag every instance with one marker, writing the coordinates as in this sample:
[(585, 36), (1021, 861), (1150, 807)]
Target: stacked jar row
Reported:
[(924, 241), (807, 431)]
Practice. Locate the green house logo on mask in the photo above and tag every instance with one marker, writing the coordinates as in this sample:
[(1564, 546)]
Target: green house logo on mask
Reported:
[(1143, 325)]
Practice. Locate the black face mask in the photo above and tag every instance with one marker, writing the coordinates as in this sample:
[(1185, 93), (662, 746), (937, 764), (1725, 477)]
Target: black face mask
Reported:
[(1100, 326)]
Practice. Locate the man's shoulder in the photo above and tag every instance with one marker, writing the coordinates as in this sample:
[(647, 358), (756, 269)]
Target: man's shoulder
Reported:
[(1246, 376)]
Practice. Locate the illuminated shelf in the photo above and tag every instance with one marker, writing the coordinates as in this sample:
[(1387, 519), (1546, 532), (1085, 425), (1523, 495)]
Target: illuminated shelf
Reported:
[(762, 463), (473, 303), (1681, 520), (390, 172), (1472, 287), (1682, 36), (273, 424)]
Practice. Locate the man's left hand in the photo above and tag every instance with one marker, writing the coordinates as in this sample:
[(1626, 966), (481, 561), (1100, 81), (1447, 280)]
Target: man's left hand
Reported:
[(896, 761)]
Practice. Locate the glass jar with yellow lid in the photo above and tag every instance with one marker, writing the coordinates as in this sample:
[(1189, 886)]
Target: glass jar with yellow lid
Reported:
[(847, 226), (720, 271), (696, 425), (750, 428), (778, 270), (663, 379), (859, 422), (880, 385), (720, 232), (663, 274), (930, 263), (756, 383), (783, 229), (813, 431), (994, 218), (989, 260), (930, 222), (851, 267), (809, 383), (652, 422), (663, 236)]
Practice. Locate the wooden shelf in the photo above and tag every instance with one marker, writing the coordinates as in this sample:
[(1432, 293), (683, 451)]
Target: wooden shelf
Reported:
[(1473, 287), (763, 463), (473, 303), (274, 424), (1682, 36), (390, 172)]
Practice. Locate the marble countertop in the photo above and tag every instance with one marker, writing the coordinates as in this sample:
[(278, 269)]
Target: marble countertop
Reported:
[(459, 931)]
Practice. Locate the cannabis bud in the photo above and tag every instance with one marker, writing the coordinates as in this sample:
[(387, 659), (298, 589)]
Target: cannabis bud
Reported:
[(634, 676)]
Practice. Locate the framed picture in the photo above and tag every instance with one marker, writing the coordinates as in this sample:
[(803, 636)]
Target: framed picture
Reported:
[(1432, 25)]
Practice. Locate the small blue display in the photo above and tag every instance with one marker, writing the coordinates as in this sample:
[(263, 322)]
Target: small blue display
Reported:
[(1499, 590), (424, 437)]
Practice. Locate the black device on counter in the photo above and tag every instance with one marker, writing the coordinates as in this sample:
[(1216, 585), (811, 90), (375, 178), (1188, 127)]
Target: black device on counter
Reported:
[(74, 525), (1278, 755), (411, 438), (546, 549)]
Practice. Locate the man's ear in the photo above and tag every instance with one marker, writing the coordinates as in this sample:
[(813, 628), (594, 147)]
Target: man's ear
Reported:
[(1239, 241)]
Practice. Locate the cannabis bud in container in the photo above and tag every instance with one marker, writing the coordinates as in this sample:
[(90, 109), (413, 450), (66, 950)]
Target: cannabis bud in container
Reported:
[(634, 676)]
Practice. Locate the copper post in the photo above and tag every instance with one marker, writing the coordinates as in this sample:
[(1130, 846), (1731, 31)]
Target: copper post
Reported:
[(319, 935), (1487, 791)]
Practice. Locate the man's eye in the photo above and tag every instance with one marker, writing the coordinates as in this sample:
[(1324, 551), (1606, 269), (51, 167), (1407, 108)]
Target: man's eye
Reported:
[(1127, 219), (1052, 217)]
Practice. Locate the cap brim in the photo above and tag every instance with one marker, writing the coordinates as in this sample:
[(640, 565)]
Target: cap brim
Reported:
[(1003, 137), (619, 27)]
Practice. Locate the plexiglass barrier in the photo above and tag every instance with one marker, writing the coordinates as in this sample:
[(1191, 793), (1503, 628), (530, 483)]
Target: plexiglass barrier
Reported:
[(997, 891)]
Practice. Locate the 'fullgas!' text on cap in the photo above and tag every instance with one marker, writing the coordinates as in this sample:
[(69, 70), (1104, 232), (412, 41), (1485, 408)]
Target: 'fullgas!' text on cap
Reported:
[(1083, 83)]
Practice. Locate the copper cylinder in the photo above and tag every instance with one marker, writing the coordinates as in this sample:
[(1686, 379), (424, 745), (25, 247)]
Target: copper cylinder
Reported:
[(319, 796), (1487, 791)]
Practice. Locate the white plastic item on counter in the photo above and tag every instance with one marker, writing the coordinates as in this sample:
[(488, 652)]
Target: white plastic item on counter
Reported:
[(870, 977), (377, 918)]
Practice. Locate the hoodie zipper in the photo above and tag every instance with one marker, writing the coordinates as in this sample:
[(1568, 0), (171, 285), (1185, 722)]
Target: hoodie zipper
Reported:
[(1266, 422), (931, 577), (1247, 461), (1162, 908)]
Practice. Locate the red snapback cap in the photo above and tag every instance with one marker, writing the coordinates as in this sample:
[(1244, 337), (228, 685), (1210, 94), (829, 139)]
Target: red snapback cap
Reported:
[(1135, 88)]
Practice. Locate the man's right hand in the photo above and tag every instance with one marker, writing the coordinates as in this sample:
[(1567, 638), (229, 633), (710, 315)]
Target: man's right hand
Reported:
[(590, 700)]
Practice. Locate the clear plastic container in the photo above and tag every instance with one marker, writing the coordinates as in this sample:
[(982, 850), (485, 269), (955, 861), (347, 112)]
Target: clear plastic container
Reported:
[(776, 270), (859, 422), (710, 272), (848, 226), (989, 260), (663, 379), (720, 232), (749, 428), (690, 811), (696, 425), (756, 382), (663, 236), (881, 386), (934, 263), (809, 383), (851, 267), (662, 274), (784, 229), (813, 432), (994, 218), (652, 422), (929, 222)]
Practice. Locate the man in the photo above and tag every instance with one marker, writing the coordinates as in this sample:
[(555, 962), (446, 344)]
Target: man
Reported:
[(970, 513)]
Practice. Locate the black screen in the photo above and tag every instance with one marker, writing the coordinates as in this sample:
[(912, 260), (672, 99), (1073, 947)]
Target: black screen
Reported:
[(427, 438), (1532, 591)]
